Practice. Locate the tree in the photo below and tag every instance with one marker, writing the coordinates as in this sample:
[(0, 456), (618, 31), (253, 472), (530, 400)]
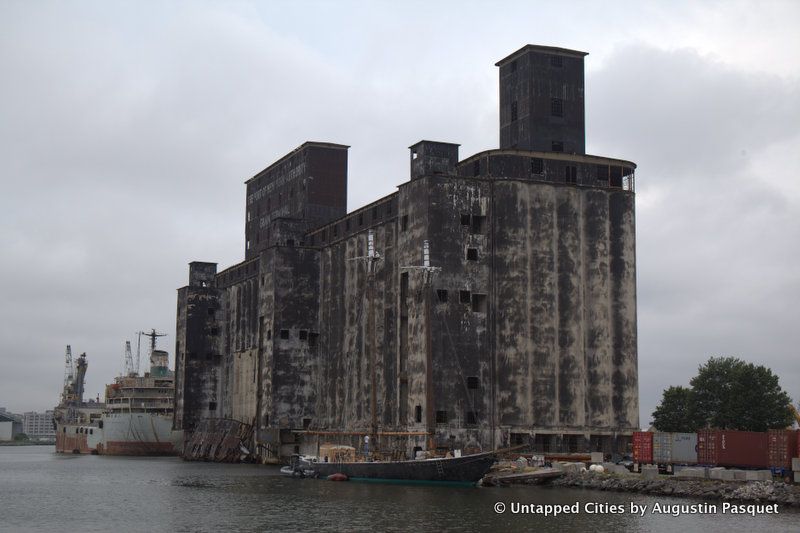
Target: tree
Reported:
[(675, 411), (726, 393)]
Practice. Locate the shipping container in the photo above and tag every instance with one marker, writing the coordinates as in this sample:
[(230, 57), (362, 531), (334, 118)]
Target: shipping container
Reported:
[(746, 449), (675, 448), (781, 447), (684, 448), (642, 447)]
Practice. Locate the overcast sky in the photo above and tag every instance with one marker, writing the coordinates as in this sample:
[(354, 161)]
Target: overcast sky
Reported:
[(127, 130)]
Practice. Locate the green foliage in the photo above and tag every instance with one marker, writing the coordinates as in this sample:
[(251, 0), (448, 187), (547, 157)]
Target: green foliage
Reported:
[(675, 411), (727, 393), (20, 437)]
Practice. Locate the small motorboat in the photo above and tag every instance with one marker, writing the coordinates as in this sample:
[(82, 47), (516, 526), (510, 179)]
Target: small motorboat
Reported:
[(300, 466)]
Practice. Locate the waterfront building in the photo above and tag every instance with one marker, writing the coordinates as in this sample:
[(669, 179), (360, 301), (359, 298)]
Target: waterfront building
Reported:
[(39, 426), (489, 301)]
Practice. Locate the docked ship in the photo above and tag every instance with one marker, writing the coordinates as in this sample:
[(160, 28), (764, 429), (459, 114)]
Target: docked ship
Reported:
[(77, 422), (136, 418)]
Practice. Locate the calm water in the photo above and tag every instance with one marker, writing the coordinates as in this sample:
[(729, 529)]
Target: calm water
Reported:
[(42, 491)]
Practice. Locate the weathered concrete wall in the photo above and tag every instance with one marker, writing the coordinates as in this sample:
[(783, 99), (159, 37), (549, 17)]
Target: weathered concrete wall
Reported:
[(357, 328), (197, 348), (568, 347)]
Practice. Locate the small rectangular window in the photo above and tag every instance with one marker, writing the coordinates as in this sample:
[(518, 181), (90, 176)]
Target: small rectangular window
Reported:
[(347, 224), (404, 223), (303, 335), (478, 303), (558, 146), (472, 254), (375, 213), (212, 406), (284, 334), (513, 111), (464, 297), (473, 382), (441, 294), (465, 219), (476, 167), (556, 61), (441, 417), (289, 242), (211, 311), (306, 423), (602, 173), (472, 418), (214, 332), (557, 107), (312, 339), (361, 219), (537, 165), (478, 224), (269, 334), (336, 230), (418, 413), (571, 174)]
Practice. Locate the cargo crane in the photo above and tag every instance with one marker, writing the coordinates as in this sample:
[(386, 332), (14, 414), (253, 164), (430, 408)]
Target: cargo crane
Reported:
[(129, 369), (69, 374)]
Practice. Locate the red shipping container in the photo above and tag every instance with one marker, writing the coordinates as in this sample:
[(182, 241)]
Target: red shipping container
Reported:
[(746, 449), (797, 435), (642, 447), (781, 446)]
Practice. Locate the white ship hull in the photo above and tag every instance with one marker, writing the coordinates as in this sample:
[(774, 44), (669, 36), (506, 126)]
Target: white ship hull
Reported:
[(138, 434)]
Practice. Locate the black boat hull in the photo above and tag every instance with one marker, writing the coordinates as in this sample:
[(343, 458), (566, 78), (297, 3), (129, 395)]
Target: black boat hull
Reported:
[(466, 469)]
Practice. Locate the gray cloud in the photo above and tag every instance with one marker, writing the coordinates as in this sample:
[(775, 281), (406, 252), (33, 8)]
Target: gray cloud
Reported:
[(126, 134)]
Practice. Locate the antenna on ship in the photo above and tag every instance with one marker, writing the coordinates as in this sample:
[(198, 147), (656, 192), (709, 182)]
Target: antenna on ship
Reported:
[(153, 336)]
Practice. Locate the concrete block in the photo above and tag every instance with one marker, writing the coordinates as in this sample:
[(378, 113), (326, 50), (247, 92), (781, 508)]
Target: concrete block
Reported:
[(698, 473), (649, 472), (797, 477), (739, 475), (758, 475), (716, 473), (727, 475), (796, 464), (597, 457), (572, 467)]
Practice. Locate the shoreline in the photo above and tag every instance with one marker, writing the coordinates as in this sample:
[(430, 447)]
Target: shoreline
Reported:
[(746, 491)]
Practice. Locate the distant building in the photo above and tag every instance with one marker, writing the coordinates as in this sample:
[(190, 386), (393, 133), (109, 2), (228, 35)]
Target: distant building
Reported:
[(516, 325), (39, 426), (10, 425)]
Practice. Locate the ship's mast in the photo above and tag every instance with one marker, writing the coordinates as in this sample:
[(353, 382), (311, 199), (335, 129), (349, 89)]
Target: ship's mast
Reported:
[(371, 259), (153, 336), (428, 273)]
